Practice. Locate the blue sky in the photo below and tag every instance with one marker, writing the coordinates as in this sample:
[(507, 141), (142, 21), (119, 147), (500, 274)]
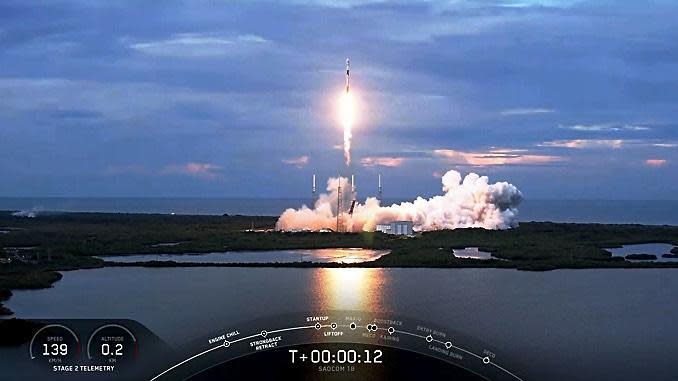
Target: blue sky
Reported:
[(565, 99)]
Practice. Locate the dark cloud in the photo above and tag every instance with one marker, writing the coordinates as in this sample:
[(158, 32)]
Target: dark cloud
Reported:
[(237, 88)]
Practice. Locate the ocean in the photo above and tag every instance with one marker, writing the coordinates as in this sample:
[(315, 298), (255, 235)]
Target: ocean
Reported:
[(653, 212)]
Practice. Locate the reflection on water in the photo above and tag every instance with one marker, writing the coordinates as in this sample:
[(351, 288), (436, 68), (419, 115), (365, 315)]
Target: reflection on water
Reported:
[(591, 316), (350, 255), (345, 255), (351, 289)]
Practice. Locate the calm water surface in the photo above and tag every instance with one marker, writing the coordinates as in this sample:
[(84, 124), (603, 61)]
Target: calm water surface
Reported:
[(657, 249), (580, 324)]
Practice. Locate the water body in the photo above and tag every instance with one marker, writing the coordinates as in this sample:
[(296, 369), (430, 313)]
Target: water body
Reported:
[(601, 211), (578, 324), (355, 255), (657, 249)]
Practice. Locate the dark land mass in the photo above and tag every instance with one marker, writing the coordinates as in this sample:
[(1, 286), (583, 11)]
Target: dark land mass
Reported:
[(40, 247), (670, 255), (642, 257)]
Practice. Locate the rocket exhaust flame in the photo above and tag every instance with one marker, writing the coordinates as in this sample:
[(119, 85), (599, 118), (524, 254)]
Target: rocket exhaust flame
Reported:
[(473, 202), (348, 135)]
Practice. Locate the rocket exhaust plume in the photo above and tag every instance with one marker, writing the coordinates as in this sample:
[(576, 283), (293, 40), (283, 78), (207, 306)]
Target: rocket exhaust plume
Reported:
[(347, 111), (347, 143), (473, 202)]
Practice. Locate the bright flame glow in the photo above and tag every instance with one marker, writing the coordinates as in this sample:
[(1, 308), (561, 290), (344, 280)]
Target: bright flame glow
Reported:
[(351, 289), (347, 114)]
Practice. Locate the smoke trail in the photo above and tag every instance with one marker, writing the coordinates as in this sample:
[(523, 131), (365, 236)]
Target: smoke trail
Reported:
[(472, 202)]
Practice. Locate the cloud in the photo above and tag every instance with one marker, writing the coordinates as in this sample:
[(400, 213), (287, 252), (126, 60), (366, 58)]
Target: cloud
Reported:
[(200, 45), (526, 111), (585, 143), (605, 127), (665, 145), (656, 162), (440, 5), (382, 161), (437, 94), (495, 157), (298, 162), (203, 170), (148, 102)]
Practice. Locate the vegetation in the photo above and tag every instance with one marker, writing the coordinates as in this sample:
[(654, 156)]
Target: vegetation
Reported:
[(534, 245), (642, 257), (78, 234), (40, 247), (67, 236), (4, 295)]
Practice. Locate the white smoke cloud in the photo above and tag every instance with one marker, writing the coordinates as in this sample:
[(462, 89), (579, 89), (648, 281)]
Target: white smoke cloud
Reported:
[(31, 213), (472, 202)]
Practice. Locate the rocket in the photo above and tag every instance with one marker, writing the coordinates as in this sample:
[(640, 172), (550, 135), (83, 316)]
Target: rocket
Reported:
[(347, 74)]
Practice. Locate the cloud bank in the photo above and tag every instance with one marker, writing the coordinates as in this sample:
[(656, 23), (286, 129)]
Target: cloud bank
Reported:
[(298, 162)]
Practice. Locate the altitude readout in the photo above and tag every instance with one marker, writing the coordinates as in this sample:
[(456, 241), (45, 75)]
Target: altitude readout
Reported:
[(340, 356), (111, 344)]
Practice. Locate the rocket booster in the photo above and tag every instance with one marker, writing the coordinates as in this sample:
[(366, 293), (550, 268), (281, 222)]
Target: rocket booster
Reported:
[(347, 74)]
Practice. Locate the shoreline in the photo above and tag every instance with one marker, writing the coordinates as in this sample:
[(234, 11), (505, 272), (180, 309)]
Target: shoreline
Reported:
[(57, 275), (43, 246)]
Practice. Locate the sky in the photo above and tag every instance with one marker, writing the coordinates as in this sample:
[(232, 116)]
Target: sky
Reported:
[(564, 99)]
